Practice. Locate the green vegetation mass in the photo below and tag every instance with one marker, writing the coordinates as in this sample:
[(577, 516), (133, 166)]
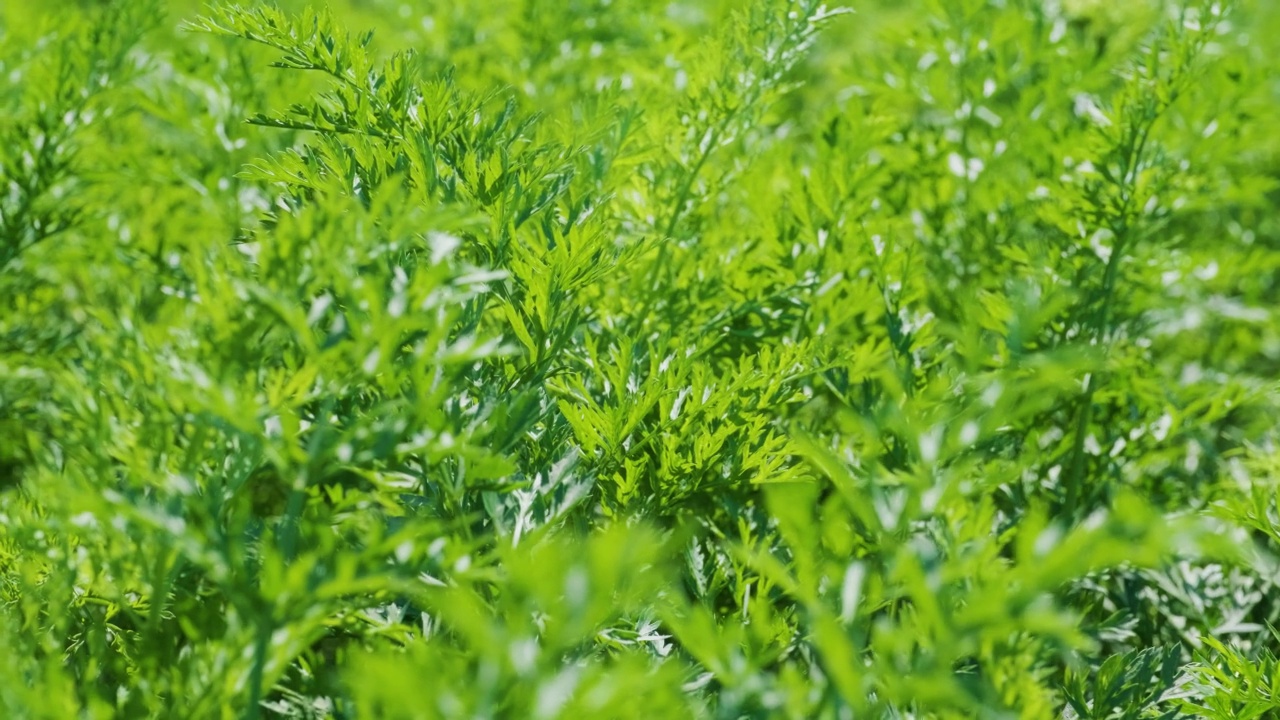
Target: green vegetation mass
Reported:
[(406, 359)]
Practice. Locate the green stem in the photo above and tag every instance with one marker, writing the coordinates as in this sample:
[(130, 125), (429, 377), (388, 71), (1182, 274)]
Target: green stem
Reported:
[(262, 644)]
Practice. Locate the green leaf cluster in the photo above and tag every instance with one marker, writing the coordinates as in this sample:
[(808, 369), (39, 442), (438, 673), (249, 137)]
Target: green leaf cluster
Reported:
[(622, 358)]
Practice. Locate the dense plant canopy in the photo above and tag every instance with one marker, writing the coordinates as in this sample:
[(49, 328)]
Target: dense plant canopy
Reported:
[(621, 358)]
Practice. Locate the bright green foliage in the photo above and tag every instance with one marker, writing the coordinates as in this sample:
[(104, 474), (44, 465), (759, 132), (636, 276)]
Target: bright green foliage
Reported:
[(617, 358)]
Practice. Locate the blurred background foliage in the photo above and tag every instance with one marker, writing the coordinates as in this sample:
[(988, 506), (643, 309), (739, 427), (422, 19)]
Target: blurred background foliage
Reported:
[(622, 358)]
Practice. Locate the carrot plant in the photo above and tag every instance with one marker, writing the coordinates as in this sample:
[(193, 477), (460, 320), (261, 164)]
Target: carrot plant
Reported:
[(633, 359)]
